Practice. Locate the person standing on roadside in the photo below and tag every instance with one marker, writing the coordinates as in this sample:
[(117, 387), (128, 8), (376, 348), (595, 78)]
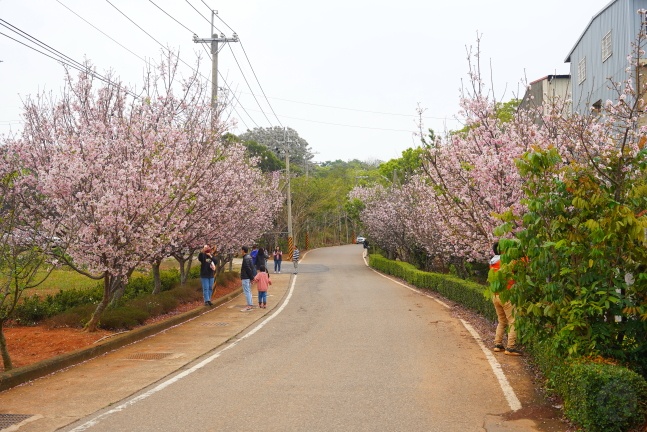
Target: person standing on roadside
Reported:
[(247, 273), (263, 282), (295, 259), (260, 259), (504, 311), (278, 259), (207, 272), (365, 248), (254, 254)]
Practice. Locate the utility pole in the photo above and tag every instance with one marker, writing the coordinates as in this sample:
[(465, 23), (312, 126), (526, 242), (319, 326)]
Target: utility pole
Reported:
[(286, 139), (214, 40)]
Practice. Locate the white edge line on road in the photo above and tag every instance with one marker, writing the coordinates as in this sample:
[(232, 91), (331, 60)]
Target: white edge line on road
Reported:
[(508, 392), (187, 372), (507, 389)]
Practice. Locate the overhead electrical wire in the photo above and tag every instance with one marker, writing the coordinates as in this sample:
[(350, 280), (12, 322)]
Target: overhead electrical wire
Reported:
[(344, 125), (171, 16), (166, 48), (204, 17), (250, 88), (102, 32), (56, 55), (251, 67)]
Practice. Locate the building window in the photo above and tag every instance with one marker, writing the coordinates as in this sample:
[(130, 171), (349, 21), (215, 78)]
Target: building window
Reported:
[(607, 50), (581, 71)]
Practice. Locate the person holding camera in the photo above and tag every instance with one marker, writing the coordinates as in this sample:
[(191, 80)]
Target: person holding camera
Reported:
[(207, 273)]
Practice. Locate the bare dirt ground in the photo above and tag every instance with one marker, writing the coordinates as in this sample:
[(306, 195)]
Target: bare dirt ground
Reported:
[(31, 344)]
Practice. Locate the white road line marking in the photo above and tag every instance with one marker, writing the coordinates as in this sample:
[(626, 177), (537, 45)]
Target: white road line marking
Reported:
[(507, 389), (187, 372), (508, 392)]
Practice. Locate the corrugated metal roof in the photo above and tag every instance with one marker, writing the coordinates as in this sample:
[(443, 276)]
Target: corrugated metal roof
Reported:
[(549, 77), (568, 57)]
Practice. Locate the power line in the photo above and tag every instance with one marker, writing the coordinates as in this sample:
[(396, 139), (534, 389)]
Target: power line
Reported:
[(171, 16), (159, 43), (251, 67), (257, 81), (102, 32), (250, 88), (126, 16), (59, 56), (204, 17), (344, 125), (353, 109)]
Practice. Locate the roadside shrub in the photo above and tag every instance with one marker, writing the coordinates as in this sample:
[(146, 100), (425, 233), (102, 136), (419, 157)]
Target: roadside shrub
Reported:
[(604, 397), (192, 291), (469, 294), (122, 318), (225, 278), (155, 304), (75, 317)]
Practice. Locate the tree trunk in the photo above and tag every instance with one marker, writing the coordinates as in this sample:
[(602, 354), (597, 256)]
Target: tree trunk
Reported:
[(6, 359), (108, 283), (183, 273), (157, 280)]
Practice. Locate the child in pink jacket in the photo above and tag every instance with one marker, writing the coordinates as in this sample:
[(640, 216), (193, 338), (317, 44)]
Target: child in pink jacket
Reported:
[(262, 278)]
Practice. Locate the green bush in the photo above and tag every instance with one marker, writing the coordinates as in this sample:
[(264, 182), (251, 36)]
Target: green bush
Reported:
[(33, 309), (75, 317), (123, 318), (155, 304), (603, 397), (469, 294)]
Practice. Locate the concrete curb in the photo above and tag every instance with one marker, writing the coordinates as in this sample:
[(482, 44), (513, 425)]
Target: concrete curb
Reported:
[(33, 371)]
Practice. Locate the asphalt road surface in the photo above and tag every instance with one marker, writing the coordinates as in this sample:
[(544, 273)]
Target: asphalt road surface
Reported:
[(347, 350)]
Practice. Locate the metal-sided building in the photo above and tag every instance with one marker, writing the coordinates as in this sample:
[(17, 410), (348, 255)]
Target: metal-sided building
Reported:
[(600, 54)]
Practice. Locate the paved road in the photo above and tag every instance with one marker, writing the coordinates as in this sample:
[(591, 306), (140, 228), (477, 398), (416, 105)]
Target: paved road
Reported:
[(350, 350), (340, 347)]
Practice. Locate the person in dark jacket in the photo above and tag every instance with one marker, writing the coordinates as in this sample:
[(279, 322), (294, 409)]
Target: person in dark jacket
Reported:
[(207, 272), (261, 259), (247, 273)]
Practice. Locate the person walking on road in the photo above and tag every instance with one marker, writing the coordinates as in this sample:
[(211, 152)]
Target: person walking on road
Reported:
[(278, 259), (365, 248), (207, 272), (505, 313), (247, 273), (295, 259), (263, 281)]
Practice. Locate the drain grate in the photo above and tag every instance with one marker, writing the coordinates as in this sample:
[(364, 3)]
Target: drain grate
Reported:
[(149, 356), (7, 420), (215, 324)]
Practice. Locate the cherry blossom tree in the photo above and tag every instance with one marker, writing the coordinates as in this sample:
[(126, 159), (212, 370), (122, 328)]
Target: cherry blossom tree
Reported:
[(123, 173)]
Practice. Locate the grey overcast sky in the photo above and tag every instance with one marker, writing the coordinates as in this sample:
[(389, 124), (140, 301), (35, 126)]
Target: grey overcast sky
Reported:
[(346, 75)]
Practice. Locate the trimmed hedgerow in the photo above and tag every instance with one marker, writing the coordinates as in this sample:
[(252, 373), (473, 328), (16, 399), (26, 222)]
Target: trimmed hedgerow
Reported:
[(603, 397), (469, 294)]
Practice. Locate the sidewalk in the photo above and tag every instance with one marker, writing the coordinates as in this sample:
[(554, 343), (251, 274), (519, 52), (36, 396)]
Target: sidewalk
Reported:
[(63, 397)]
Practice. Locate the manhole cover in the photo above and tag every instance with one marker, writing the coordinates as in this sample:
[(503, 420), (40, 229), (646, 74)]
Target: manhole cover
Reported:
[(215, 324), (7, 420), (149, 356)]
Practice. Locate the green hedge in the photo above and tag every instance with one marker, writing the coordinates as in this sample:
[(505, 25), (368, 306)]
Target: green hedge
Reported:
[(469, 294), (35, 308), (597, 396)]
